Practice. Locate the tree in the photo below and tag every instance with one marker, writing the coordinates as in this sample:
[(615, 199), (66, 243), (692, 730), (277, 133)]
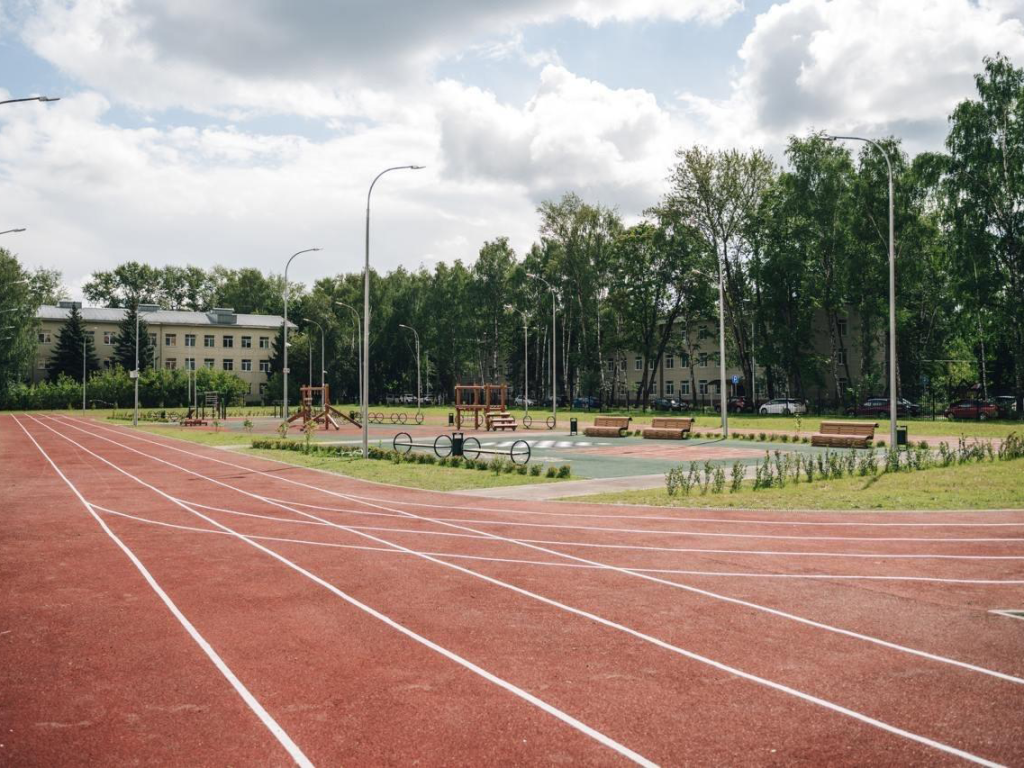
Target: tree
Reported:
[(186, 288), (18, 301), (984, 203), (249, 291), (124, 345), (128, 283), (67, 356)]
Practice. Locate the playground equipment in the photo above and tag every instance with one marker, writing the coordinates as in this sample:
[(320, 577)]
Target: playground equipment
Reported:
[(458, 445), (210, 405), (396, 417), (487, 403), (307, 412)]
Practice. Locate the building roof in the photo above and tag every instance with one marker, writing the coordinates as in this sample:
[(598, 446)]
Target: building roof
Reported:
[(166, 317)]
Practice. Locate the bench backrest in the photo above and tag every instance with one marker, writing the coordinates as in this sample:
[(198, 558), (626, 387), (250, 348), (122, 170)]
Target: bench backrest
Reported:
[(619, 422), (672, 423), (858, 428)]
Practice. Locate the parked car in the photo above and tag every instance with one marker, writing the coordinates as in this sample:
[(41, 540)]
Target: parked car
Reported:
[(563, 401), (878, 407), (589, 402), (784, 405), (666, 404), (1007, 405), (393, 399), (972, 409), (737, 404), (408, 400), (521, 401)]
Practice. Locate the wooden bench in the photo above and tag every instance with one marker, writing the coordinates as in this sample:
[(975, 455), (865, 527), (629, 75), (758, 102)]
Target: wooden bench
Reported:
[(668, 428), (500, 420), (608, 426), (192, 423), (844, 434)]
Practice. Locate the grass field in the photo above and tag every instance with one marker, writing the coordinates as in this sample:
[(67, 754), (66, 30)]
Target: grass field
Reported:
[(989, 485)]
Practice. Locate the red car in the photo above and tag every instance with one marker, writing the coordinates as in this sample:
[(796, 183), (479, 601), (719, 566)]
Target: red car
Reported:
[(972, 409)]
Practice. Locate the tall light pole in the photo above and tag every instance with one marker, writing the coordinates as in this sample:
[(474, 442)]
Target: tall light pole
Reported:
[(322, 371), (892, 287), (366, 310), (8, 231), (31, 98), (136, 372), (410, 328), (526, 360), (85, 346), (286, 292), (554, 383), (359, 347)]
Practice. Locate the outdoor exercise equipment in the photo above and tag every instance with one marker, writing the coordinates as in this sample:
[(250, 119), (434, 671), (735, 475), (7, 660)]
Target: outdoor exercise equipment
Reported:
[(326, 414), (487, 404), (457, 444)]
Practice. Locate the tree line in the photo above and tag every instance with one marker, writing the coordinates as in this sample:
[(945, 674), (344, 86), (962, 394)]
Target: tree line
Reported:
[(802, 246)]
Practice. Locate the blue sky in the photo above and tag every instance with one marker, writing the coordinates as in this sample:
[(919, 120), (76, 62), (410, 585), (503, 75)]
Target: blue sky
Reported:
[(196, 132)]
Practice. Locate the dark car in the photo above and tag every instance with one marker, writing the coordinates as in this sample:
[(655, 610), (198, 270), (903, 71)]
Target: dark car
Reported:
[(589, 403), (878, 407), (563, 401), (1007, 405), (666, 404), (981, 410)]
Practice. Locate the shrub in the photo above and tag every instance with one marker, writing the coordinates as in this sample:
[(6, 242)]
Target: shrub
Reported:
[(923, 444), (761, 436), (521, 469), (564, 471), (718, 484), (535, 470), (784, 438), (552, 472), (738, 473)]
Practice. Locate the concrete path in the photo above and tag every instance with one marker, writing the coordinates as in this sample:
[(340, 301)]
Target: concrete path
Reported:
[(546, 491)]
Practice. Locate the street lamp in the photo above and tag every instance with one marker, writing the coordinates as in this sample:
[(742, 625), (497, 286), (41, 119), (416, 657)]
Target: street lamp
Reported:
[(721, 343), (85, 346), (892, 287), (554, 383), (366, 310), (286, 291), (31, 98), (135, 373), (410, 328), (526, 360), (322, 372), (359, 347), (8, 231)]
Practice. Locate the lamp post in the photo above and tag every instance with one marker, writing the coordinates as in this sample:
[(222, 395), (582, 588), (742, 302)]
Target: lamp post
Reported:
[(554, 383), (286, 291), (85, 346), (526, 360), (359, 347), (8, 231), (322, 371), (136, 372), (365, 386), (410, 328), (31, 98), (892, 287)]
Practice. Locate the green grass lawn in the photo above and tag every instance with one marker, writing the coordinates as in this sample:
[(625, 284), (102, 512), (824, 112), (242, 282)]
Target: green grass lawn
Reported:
[(426, 476), (988, 485)]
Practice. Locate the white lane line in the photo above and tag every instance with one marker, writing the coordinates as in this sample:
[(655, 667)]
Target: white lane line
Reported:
[(606, 622), (647, 577), (676, 518), (451, 655), (1010, 613), (271, 725), (515, 561)]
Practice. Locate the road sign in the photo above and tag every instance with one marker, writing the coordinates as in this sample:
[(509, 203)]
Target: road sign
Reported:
[(287, 370), (735, 379)]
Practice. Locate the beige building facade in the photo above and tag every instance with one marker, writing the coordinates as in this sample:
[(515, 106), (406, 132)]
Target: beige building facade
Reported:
[(220, 339)]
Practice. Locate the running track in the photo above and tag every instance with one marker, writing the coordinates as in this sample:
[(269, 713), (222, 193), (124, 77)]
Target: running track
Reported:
[(164, 602)]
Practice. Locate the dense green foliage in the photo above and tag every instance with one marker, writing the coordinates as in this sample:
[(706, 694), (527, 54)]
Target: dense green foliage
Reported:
[(69, 357)]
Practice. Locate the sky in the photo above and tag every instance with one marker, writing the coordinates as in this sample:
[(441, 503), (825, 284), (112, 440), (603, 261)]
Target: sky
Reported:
[(237, 133)]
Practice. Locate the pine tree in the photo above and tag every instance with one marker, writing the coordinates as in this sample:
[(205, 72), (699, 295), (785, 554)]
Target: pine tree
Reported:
[(124, 346), (67, 357)]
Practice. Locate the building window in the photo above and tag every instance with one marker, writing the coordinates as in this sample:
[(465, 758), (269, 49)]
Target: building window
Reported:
[(841, 328), (247, 342), (264, 366), (684, 360), (247, 365), (702, 387), (842, 387), (703, 333), (670, 388), (170, 339), (190, 339), (44, 337), (650, 364), (208, 340), (684, 387), (229, 341), (638, 364), (263, 387), (171, 363), (229, 364), (152, 339), (190, 363), (109, 337), (841, 357), (42, 365), (610, 365), (264, 342), (208, 362), (670, 362), (702, 361)]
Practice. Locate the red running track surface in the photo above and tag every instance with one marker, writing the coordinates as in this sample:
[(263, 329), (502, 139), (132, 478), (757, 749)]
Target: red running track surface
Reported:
[(170, 603)]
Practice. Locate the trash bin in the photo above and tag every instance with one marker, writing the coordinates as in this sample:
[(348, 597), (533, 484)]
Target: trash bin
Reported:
[(451, 419), (457, 441), (901, 436), (573, 425)]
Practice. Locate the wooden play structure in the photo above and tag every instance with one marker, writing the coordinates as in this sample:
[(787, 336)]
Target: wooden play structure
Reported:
[(309, 413), (210, 405), (487, 404)]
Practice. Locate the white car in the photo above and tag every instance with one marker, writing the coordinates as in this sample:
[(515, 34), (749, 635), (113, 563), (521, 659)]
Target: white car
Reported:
[(520, 401), (786, 406)]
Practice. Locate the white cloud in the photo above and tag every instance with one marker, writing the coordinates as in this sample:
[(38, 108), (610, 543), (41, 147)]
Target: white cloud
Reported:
[(869, 65)]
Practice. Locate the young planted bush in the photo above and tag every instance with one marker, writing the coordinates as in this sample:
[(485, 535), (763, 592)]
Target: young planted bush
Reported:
[(738, 473)]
